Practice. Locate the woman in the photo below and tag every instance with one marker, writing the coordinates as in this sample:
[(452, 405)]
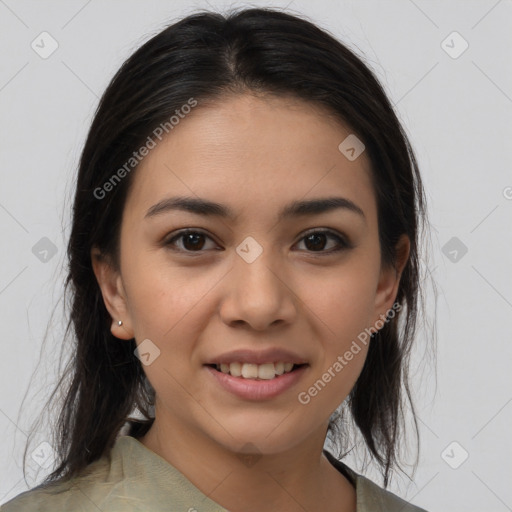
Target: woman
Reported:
[(244, 243)]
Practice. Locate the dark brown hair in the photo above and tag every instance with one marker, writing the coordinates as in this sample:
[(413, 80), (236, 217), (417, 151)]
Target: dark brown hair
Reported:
[(207, 56)]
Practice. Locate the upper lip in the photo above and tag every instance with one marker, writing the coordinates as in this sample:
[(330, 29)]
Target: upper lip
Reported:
[(270, 355)]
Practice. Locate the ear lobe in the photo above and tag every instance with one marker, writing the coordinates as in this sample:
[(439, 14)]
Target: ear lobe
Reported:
[(111, 286), (389, 280)]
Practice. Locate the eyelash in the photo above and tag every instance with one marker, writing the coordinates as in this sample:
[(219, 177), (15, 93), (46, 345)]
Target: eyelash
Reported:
[(344, 244)]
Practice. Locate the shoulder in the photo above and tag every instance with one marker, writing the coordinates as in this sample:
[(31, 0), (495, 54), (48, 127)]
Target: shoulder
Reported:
[(130, 478), (83, 493), (371, 497), (53, 496)]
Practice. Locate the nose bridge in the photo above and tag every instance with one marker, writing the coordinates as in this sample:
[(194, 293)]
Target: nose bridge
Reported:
[(257, 293)]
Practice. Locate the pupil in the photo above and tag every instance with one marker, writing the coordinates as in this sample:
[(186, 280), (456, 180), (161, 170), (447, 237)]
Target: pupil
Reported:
[(192, 238), (315, 237)]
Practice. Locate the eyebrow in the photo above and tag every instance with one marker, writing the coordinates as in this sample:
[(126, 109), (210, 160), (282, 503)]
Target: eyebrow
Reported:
[(294, 209)]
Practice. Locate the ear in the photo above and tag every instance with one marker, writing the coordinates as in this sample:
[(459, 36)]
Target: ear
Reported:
[(114, 296), (389, 279)]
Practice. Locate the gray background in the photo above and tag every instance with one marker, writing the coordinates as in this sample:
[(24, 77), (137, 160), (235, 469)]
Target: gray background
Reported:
[(458, 114)]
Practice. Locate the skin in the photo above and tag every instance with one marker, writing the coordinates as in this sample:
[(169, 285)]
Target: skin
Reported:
[(255, 155)]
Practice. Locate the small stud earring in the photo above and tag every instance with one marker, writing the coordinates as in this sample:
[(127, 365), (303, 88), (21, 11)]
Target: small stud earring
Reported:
[(119, 323)]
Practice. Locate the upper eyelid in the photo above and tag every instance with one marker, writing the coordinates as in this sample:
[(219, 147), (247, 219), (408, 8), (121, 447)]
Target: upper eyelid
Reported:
[(328, 231)]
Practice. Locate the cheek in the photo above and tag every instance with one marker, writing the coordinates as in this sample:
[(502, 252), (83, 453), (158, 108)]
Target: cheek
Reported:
[(342, 313), (342, 306), (170, 309), (162, 296), (344, 300)]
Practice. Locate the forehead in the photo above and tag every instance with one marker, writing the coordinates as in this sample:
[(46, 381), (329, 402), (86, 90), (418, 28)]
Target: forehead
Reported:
[(246, 150)]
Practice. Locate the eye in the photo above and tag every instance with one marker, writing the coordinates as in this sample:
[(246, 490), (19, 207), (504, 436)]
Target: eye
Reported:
[(315, 241), (192, 240)]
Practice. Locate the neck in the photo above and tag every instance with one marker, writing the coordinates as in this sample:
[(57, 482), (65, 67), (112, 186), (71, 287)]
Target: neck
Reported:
[(297, 479)]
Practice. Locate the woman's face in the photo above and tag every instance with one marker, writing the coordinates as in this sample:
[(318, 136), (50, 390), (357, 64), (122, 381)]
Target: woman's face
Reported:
[(272, 273)]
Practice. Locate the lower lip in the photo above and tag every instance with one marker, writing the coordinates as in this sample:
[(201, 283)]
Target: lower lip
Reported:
[(253, 389)]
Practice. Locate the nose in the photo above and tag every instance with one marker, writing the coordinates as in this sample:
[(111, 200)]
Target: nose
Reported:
[(259, 295)]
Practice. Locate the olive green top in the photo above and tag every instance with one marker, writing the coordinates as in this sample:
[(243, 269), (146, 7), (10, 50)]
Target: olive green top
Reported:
[(137, 479)]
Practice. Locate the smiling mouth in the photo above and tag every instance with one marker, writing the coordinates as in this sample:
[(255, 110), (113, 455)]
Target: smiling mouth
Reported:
[(266, 371)]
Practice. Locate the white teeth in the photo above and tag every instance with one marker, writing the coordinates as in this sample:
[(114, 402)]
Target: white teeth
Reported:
[(264, 371), (249, 371), (235, 369), (279, 368)]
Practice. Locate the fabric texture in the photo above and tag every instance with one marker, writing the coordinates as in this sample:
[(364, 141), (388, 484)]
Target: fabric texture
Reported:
[(136, 479)]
